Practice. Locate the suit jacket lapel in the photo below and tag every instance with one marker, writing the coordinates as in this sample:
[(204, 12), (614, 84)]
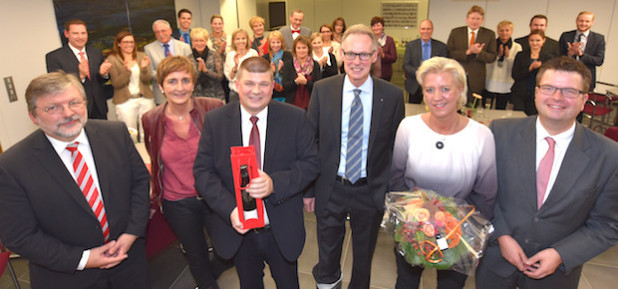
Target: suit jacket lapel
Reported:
[(526, 157), (273, 133), (376, 115), (69, 55), (51, 162), (99, 148), (572, 168)]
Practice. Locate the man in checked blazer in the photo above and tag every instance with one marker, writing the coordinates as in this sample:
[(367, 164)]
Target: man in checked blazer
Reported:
[(156, 51), (473, 57)]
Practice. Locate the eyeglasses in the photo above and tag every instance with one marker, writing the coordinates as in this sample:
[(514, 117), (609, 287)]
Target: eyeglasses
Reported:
[(127, 42), (565, 91), (326, 31), (58, 108), (363, 55)]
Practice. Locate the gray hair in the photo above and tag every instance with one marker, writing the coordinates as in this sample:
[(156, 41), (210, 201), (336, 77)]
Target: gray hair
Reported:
[(161, 21), (363, 30), (53, 83)]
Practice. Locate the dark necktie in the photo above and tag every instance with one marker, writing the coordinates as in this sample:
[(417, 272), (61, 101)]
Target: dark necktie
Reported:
[(355, 139), (86, 184), (254, 140)]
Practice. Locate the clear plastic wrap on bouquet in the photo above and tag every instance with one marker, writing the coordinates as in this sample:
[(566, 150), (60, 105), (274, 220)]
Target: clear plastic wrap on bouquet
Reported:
[(435, 231)]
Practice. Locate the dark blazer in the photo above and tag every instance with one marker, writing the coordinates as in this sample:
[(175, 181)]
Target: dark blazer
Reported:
[(45, 218), (286, 31), (413, 58), (288, 75), (594, 53), (579, 217), (329, 70), (550, 48), (64, 59), (473, 64), (521, 74), (290, 159), (324, 114)]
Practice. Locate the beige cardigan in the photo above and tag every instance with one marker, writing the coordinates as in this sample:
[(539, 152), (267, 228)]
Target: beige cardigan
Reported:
[(120, 77)]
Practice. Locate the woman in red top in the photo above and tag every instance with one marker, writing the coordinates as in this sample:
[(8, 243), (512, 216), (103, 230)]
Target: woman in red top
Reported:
[(172, 131)]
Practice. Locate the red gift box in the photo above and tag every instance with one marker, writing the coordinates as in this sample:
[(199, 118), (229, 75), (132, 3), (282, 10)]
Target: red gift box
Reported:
[(244, 169)]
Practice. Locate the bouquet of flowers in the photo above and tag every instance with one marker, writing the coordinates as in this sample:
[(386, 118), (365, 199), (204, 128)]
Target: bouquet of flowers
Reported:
[(434, 231)]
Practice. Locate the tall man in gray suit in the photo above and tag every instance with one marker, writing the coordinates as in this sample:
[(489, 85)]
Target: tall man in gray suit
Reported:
[(418, 51), (355, 118), (557, 204), (473, 46), (74, 198), (295, 29), (164, 46)]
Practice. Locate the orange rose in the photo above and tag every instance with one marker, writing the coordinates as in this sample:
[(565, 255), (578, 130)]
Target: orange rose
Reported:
[(421, 214), (429, 230)]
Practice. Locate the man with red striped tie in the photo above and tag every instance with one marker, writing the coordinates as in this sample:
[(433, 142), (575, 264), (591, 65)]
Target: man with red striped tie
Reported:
[(74, 198)]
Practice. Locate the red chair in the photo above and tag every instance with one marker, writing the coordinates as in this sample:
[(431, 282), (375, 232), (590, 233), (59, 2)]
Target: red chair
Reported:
[(612, 133), (597, 109), (5, 262)]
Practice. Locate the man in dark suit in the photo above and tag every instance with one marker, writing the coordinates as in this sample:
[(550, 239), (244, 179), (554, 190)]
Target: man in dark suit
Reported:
[(584, 45), (550, 47), (295, 29), (418, 51), (84, 61), (557, 189), (74, 198), (355, 118), (287, 155), (183, 33), (473, 46)]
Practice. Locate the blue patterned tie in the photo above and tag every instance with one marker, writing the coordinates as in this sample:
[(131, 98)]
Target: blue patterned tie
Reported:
[(355, 139), (186, 38), (166, 50)]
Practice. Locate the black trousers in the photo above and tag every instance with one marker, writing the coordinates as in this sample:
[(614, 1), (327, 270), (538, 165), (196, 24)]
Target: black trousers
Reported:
[(257, 248), (188, 218), (365, 218)]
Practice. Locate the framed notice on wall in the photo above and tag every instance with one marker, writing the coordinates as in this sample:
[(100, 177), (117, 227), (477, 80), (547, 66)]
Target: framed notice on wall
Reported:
[(400, 14)]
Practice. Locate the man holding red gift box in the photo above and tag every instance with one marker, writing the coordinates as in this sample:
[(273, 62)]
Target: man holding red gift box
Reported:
[(287, 155)]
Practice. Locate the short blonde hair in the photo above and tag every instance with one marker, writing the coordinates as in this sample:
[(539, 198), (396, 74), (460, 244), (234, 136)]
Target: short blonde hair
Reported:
[(443, 64), (505, 23), (315, 35), (255, 20), (236, 32), (173, 64), (200, 33)]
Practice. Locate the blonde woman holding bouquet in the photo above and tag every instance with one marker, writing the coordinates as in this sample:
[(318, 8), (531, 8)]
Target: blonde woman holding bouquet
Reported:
[(446, 152)]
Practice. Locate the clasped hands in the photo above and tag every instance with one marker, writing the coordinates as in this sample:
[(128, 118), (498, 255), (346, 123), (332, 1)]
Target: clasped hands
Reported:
[(540, 265), (111, 253), (476, 48)]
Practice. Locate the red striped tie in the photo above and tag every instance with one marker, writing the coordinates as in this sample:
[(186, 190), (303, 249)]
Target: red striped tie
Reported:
[(86, 184)]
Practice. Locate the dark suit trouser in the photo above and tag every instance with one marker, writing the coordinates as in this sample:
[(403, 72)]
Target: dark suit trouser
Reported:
[(365, 218), (486, 278), (416, 97), (188, 218), (257, 248), (409, 277)]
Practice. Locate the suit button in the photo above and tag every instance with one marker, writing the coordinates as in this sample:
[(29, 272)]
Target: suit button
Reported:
[(527, 241), (536, 219)]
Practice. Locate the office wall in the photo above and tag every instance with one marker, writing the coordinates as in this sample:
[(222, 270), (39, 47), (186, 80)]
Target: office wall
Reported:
[(22, 54)]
